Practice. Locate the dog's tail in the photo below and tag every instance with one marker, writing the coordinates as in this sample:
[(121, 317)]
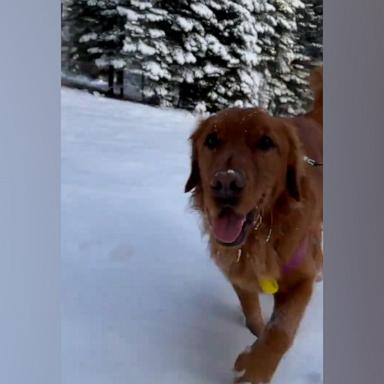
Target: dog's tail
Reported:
[(316, 82)]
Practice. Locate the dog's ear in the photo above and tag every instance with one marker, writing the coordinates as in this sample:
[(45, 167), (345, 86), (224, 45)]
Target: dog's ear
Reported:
[(294, 171), (194, 176)]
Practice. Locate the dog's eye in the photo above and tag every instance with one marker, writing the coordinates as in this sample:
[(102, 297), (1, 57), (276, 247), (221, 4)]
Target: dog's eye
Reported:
[(212, 141), (265, 143)]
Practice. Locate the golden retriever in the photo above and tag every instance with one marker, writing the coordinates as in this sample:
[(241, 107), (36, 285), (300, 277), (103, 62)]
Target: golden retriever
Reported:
[(257, 181)]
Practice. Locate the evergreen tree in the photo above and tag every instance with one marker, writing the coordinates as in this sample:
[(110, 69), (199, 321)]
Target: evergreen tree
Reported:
[(65, 35), (201, 54), (148, 50), (308, 48), (284, 80), (234, 50), (195, 54), (310, 31), (266, 23), (290, 34), (96, 33)]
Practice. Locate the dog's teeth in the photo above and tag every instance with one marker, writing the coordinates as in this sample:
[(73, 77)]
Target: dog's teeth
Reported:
[(239, 374)]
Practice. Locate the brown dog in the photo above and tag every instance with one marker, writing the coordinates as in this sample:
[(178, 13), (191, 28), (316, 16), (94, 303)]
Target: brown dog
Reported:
[(257, 181)]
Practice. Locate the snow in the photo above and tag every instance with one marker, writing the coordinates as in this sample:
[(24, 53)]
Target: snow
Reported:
[(202, 10), (94, 50), (154, 17), (250, 58), (211, 69), (142, 5), (216, 47), (84, 81), (128, 13), (129, 47), (154, 69), (182, 57), (178, 54), (145, 49), (185, 24), (88, 37), (141, 301), (156, 33), (118, 63)]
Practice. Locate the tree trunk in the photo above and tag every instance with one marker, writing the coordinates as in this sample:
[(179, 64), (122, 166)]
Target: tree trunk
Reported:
[(120, 83), (111, 75)]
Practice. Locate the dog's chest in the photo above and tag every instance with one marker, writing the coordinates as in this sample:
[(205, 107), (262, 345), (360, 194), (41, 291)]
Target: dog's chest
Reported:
[(246, 266)]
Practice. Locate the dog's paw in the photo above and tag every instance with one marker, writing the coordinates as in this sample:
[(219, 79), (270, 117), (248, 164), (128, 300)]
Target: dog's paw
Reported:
[(254, 366)]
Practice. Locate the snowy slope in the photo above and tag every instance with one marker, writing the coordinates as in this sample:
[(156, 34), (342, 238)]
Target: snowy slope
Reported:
[(142, 301)]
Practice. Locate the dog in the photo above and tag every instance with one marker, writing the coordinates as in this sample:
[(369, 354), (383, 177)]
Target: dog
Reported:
[(257, 182)]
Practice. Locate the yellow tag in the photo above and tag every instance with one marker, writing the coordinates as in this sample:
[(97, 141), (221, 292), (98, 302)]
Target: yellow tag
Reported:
[(269, 286)]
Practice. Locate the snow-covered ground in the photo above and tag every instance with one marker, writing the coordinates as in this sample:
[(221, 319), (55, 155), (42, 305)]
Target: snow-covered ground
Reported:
[(142, 301)]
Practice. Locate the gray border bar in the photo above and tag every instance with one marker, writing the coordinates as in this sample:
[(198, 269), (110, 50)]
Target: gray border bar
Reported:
[(29, 192), (354, 187)]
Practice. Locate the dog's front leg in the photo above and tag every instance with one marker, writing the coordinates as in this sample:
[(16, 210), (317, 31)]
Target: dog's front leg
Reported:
[(251, 308), (258, 364)]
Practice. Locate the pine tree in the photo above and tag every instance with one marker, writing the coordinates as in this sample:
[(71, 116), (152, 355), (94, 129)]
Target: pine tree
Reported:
[(65, 35), (96, 32), (310, 31), (308, 48), (267, 40), (284, 79), (234, 50), (147, 49), (201, 54), (286, 38), (194, 54)]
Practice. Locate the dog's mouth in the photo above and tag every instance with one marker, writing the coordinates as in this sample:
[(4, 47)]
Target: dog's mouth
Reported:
[(230, 228)]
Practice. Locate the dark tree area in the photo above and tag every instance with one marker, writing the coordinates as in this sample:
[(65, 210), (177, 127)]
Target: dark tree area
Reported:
[(94, 35)]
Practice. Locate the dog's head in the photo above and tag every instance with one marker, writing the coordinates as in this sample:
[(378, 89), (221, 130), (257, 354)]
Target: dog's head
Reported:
[(243, 160)]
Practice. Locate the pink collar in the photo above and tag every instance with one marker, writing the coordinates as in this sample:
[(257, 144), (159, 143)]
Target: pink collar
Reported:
[(297, 256)]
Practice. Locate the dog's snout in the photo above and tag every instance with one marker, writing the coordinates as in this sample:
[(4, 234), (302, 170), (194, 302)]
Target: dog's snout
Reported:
[(227, 184)]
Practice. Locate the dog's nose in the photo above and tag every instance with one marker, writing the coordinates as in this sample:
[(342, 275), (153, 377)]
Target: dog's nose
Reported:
[(227, 184)]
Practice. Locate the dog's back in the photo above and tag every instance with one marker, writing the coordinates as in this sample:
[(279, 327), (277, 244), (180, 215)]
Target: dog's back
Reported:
[(316, 81), (310, 125)]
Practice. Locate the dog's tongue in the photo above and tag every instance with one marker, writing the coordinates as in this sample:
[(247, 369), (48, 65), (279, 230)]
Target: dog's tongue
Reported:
[(227, 226)]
